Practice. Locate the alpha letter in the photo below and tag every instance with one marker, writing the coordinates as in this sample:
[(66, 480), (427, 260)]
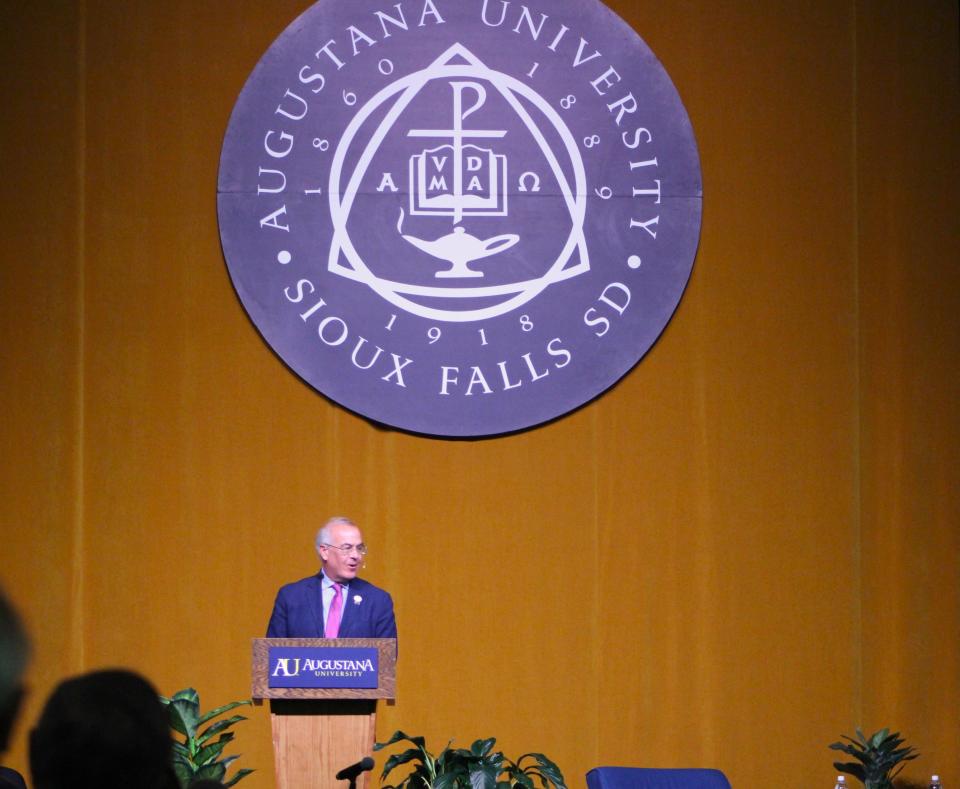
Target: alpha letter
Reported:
[(387, 183), (271, 220)]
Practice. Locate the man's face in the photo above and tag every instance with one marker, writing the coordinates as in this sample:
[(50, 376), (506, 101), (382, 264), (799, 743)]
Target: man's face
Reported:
[(341, 566)]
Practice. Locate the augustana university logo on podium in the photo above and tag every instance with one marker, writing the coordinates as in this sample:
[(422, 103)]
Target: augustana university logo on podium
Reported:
[(459, 218)]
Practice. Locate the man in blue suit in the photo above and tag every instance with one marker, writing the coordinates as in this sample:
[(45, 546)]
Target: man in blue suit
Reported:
[(334, 603)]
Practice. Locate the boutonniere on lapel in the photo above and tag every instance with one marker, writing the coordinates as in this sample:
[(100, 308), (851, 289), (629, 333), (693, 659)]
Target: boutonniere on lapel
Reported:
[(357, 599)]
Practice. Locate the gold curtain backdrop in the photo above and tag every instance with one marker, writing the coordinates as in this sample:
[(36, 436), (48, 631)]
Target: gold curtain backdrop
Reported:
[(748, 547)]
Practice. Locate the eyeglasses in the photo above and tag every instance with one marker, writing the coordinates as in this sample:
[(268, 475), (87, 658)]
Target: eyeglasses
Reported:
[(346, 549)]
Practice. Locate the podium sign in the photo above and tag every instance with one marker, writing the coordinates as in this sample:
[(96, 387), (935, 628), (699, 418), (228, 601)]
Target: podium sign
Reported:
[(331, 658), (322, 667)]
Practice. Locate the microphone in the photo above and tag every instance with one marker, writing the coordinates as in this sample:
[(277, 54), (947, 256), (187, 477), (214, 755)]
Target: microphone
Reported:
[(350, 773)]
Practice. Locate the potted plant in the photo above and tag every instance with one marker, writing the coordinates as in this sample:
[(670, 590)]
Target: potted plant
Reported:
[(477, 767), (199, 755), (876, 756)]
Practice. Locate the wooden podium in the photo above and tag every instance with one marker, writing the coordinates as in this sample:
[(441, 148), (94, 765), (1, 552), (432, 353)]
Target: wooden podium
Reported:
[(317, 731)]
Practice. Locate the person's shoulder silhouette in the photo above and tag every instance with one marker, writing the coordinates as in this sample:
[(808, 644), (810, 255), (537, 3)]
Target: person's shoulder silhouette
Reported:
[(11, 779)]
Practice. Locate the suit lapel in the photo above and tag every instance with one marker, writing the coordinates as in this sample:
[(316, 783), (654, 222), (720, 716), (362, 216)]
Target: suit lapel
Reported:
[(348, 615), (315, 600)]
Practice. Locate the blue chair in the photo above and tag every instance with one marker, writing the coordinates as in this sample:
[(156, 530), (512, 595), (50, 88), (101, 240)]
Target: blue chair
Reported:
[(648, 778)]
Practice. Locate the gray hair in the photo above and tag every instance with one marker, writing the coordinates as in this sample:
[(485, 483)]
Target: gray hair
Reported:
[(323, 536)]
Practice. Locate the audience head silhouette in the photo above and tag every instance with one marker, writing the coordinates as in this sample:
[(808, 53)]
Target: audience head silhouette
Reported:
[(14, 652), (105, 729)]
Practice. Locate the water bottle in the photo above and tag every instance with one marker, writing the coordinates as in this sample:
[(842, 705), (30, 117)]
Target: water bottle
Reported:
[(935, 782), (842, 782)]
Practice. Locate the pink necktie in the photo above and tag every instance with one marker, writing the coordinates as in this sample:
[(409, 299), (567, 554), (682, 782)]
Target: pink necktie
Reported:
[(333, 617)]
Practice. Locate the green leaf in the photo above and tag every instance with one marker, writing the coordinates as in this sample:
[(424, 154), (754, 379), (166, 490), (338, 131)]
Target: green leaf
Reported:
[(839, 746), (187, 694), (178, 757), (220, 710), (209, 753), (484, 776), (184, 773), (215, 771), (523, 780), (218, 727), (183, 716), (179, 749), (419, 779), (400, 758), (482, 747), (547, 768), (398, 735), (900, 754), (182, 755), (852, 768), (866, 758), (240, 774), (445, 781)]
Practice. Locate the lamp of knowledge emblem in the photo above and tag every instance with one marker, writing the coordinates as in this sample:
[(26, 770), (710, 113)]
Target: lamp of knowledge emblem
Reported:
[(459, 217)]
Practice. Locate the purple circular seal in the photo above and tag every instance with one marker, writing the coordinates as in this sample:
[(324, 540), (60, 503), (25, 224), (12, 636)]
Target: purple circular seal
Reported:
[(459, 217)]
